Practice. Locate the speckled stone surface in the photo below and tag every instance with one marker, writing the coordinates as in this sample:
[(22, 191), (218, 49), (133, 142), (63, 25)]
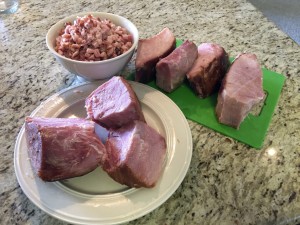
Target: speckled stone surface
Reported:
[(227, 182)]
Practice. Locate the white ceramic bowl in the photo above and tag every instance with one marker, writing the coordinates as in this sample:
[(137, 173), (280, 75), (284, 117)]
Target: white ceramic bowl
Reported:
[(95, 70)]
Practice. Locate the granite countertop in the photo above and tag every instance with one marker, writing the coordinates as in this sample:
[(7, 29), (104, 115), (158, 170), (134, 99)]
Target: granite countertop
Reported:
[(227, 182)]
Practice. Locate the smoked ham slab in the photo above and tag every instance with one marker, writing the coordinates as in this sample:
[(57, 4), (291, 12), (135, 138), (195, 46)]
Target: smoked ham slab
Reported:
[(61, 148), (208, 70), (135, 155), (171, 70), (241, 89), (149, 51), (114, 104)]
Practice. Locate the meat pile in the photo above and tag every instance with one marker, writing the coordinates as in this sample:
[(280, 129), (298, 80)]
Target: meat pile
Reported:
[(133, 154), (204, 67)]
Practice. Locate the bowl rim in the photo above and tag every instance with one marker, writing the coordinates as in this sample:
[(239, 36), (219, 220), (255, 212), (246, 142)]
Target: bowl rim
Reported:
[(96, 14)]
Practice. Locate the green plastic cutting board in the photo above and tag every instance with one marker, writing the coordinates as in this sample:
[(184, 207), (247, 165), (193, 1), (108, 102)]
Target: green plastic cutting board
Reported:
[(252, 130)]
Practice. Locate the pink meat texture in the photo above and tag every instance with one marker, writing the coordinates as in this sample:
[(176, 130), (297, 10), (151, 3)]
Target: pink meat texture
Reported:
[(208, 70), (136, 155), (114, 104), (241, 89), (171, 70), (61, 148), (149, 51)]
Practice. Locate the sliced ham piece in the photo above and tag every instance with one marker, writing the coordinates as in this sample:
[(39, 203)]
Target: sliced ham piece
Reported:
[(208, 70), (171, 70), (149, 51), (241, 89), (136, 155), (61, 148), (114, 104)]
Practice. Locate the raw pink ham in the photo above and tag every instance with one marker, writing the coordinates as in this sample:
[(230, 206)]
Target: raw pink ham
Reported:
[(61, 148), (241, 89)]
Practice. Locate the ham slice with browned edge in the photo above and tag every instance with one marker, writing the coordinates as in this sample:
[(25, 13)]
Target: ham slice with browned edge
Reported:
[(208, 70), (241, 89), (135, 155), (149, 51), (61, 148), (114, 104), (171, 70)]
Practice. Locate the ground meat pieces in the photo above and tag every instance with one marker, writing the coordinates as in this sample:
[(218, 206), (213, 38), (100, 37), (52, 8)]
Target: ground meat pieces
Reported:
[(92, 39)]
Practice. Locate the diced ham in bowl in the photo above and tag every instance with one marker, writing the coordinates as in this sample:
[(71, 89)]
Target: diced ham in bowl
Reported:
[(90, 38), (84, 50)]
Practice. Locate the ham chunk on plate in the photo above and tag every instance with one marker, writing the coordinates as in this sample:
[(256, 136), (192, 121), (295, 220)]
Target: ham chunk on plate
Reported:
[(171, 70), (241, 90), (114, 104), (61, 148), (135, 155)]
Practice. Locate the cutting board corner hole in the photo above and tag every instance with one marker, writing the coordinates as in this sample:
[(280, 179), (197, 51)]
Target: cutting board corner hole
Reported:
[(258, 108)]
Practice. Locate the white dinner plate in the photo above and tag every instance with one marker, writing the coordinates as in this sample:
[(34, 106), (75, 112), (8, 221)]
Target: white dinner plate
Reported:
[(95, 198)]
